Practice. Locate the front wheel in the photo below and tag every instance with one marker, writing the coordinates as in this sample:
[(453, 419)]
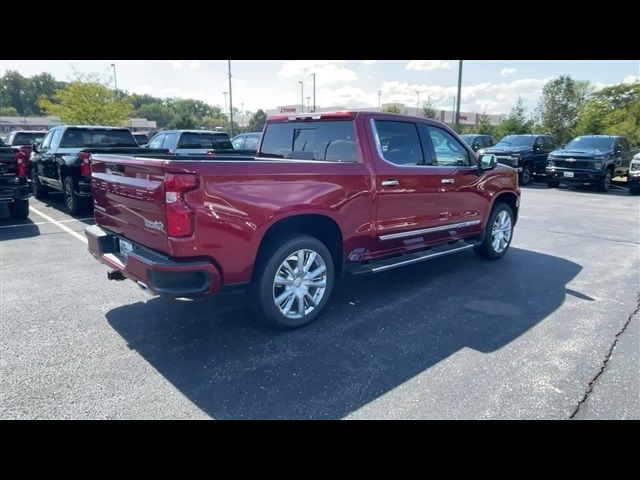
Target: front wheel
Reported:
[(498, 233), (293, 282), (19, 209), (605, 183)]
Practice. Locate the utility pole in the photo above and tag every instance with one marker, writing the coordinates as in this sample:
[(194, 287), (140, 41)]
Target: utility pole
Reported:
[(314, 91), (308, 108), (458, 104), (418, 104), (230, 101), (301, 96), (379, 96), (453, 112), (225, 103), (115, 81)]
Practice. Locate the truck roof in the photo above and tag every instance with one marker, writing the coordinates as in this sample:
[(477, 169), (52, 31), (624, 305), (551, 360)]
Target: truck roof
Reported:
[(600, 136), (26, 131), (101, 127), (192, 131)]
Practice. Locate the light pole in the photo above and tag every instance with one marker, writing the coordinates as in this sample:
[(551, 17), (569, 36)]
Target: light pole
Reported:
[(379, 96), (115, 81), (225, 103), (458, 104), (301, 95), (230, 101), (453, 112), (314, 91), (308, 107), (418, 103)]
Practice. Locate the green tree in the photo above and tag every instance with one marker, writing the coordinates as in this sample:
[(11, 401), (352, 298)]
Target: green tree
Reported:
[(8, 112), (23, 93), (392, 109), (12, 89), (87, 101), (163, 115), (561, 101), (483, 125), (185, 121), (516, 122), (428, 109), (257, 121)]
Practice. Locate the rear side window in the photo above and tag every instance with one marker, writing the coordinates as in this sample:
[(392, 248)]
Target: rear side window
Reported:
[(399, 142), (27, 138), (203, 141), (332, 141), (251, 141), (97, 138), (170, 141), (156, 142)]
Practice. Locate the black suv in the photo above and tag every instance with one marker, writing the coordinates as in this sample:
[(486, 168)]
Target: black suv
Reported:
[(526, 153), (477, 141), (590, 160)]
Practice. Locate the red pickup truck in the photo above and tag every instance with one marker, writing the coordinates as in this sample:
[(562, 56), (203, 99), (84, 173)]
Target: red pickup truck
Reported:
[(327, 194)]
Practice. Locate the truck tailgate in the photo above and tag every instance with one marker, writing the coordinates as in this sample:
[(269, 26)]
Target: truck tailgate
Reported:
[(128, 198)]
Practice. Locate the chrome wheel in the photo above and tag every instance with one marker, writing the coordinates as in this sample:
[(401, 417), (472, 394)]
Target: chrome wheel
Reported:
[(300, 283), (501, 232)]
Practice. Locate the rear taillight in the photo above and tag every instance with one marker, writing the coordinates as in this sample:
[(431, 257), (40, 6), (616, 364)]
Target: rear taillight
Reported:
[(179, 214), (211, 153), (22, 161), (85, 165)]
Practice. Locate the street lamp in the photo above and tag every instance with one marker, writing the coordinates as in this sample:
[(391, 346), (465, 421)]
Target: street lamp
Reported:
[(379, 96), (225, 102), (115, 81), (301, 95), (308, 107), (418, 103), (314, 91), (458, 104)]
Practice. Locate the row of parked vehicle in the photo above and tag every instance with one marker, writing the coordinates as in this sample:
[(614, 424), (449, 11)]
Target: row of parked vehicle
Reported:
[(589, 159)]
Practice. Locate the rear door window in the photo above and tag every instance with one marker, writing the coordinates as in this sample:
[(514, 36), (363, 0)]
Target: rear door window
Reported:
[(170, 141), (399, 142), (156, 142), (332, 141), (251, 141)]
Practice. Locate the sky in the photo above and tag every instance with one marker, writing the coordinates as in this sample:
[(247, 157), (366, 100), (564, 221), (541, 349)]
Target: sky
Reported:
[(487, 86)]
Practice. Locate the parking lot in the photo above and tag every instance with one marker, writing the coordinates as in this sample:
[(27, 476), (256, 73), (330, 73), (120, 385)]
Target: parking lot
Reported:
[(456, 337)]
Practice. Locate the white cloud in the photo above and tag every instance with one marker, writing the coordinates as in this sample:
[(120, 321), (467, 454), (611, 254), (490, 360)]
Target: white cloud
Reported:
[(143, 89), (505, 72), (177, 65), (427, 65), (194, 65), (631, 79), (327, 71), (369, 62)]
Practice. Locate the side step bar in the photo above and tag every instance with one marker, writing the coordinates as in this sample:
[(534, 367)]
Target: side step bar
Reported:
[(409, 258)]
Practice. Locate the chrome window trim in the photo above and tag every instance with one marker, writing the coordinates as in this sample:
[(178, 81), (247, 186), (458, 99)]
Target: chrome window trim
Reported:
[(451, 226)]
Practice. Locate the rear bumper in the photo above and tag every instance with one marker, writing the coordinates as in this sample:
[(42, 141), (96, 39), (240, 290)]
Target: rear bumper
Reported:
[(152, 270), (579, 176), (9, 193)]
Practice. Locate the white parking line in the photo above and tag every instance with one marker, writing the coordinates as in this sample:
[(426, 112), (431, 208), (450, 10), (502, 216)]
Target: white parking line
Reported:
[(58, 224), (44, 223)]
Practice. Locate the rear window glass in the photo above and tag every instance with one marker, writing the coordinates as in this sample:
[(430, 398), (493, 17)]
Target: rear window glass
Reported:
[(27, 138), (205, 141), (73, 138), (332, 141)]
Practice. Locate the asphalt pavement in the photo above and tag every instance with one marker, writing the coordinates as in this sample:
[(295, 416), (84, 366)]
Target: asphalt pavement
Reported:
[(548, 332)]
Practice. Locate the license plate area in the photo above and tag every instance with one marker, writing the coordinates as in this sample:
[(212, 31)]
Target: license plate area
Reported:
[(125, 248), (568, 174)]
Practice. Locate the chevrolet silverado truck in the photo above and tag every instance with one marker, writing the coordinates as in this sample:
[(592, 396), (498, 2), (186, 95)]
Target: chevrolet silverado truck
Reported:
[(526, 153), (589, 160), (14, 189), (197, 142), (327, 194), (61, 162)]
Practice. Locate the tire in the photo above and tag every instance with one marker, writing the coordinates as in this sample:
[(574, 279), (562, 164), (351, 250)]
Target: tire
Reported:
[(526, 174), (74, 203), (552, 184), (19, 209), (487, 249), (37, 188), (605, 182), (271, 264)]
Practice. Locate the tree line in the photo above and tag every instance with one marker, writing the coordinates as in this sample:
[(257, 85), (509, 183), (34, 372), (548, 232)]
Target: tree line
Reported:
[(87, 99)]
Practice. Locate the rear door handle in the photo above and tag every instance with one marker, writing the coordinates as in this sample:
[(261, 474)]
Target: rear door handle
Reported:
[(447, 180), (390, 183)]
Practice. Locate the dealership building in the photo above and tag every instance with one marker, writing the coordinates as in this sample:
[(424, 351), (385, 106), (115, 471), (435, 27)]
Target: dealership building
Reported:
[(446, 116), (8, 124)]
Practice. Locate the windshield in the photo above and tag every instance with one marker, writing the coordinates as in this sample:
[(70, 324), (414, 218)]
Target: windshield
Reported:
[(597, 143), (205, 141), (28, 138), (515, 141), (95, 138)]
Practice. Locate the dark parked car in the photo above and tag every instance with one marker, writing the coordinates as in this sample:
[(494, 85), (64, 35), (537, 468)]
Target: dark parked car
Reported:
[(333, 193), (590, 160), (141, 138), (14, 189), (526, 153), (61, 162), (633, 177), (24, 137), (246, 141), (477, 141)]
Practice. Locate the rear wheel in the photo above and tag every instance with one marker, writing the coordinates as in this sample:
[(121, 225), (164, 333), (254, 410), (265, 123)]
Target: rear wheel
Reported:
[(526, 174), (293, 282), (19, 209), (75, 203), (605, 182), (38, 189), (498, 233)]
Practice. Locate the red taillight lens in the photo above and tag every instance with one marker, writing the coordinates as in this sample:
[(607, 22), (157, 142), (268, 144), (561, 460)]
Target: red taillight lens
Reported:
[(211, 153), (22, 161), (179, 214), (85, 166)]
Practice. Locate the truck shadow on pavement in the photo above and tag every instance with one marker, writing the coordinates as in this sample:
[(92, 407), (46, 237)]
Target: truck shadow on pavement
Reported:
[(56, 200), (12, 229), (377, 332)]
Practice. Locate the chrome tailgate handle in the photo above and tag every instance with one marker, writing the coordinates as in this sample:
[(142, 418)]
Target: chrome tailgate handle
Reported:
[(448, 181), (390, 183)]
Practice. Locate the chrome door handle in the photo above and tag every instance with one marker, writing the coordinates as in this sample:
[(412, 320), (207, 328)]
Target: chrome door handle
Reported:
[(447, 180), (390, 183)]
